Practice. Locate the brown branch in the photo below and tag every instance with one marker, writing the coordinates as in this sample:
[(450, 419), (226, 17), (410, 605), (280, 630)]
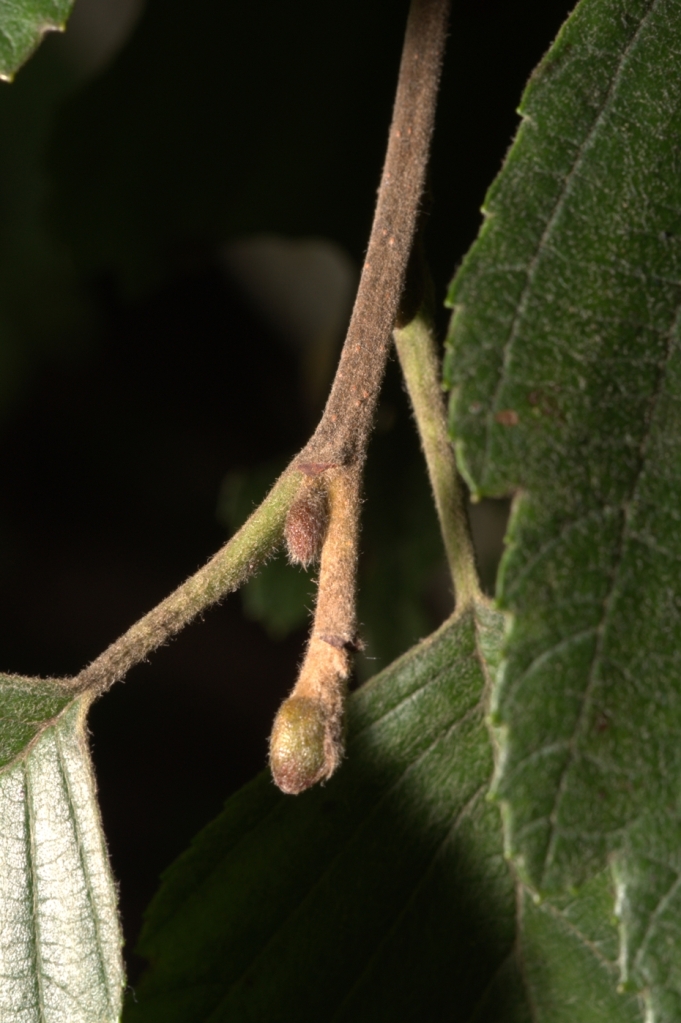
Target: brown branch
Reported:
[(343, 432), (306, 745)]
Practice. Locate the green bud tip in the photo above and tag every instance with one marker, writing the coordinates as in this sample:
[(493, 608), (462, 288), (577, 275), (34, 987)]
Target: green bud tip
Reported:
[(298, 745)]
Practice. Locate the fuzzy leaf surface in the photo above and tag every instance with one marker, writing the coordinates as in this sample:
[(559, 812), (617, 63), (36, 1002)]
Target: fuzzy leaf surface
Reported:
[(566, 368), (60, 945), (383, 895), (23, 23)]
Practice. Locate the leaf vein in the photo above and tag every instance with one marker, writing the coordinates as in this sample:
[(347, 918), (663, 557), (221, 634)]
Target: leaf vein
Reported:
[(86, 875), (595, 513), (33, 883), (546, 655), (569, 926)]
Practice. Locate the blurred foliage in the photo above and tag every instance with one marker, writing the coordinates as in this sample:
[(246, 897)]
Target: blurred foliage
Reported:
[(242, 118), (41, 305), (250, 117)]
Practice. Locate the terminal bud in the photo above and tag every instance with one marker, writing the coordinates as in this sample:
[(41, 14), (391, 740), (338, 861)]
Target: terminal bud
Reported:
[(298, 745)]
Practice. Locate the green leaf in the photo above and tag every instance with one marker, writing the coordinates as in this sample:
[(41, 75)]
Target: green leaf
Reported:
[(569, 955), (649, 907), (23, 23), (566, 369), (383, 895), (60, 944)]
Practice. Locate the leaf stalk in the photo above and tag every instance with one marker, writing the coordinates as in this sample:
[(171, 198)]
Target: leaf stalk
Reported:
[(417, 354)]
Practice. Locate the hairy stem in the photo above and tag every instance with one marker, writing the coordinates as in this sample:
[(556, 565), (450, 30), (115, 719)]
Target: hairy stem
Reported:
[(421, 369), (226, 571), (343, 432), (307, 738), (306, 743)]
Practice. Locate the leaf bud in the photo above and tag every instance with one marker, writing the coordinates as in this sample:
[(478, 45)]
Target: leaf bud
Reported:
[(298, 745), (306, 525)]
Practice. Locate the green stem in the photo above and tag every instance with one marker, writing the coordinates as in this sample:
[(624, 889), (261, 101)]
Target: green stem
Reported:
[(226, 571), (421, 369)]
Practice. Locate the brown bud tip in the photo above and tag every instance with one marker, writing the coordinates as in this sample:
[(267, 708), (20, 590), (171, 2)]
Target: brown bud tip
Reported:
[(306, 525), (298, 745)]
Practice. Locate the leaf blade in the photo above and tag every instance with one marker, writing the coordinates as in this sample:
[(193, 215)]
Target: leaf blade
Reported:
[(648, 875), (566, 365)]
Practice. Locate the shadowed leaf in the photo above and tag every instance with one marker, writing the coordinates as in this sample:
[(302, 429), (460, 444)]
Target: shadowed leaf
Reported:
[(383, 895)]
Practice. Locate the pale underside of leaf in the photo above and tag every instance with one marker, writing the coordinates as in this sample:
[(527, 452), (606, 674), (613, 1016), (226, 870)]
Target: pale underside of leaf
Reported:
[(566, 368), (385, 894), (60, 944)]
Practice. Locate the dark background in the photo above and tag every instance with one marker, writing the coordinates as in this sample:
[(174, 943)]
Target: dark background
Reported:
[(135, 375)]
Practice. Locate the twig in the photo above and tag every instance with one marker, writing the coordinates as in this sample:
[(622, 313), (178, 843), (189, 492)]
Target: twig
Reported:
[(226, 571), (344, 429), (306, 745), (343, 432)]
